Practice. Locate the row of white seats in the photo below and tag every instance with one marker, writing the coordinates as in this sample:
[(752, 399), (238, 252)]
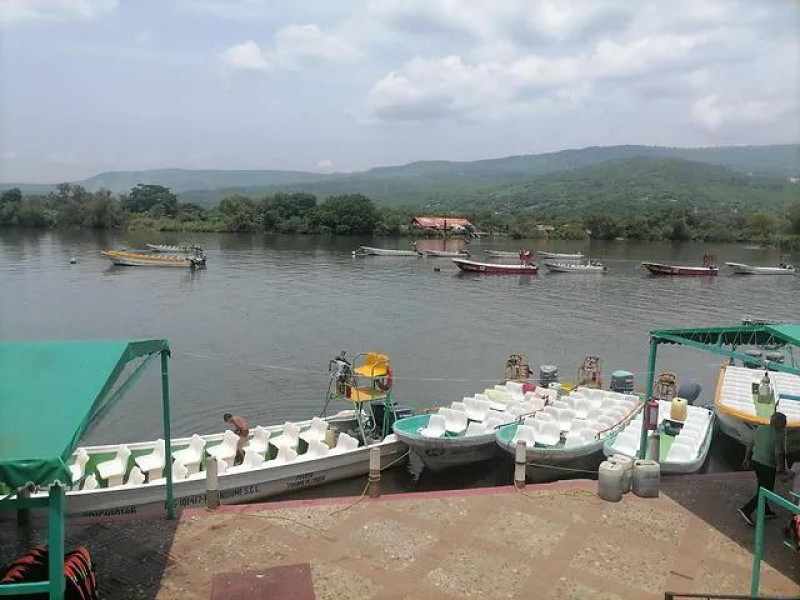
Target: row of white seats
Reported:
[(448, 420)]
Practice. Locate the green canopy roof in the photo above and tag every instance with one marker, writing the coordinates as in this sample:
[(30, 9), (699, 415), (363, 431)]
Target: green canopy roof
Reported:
[(49, 393)]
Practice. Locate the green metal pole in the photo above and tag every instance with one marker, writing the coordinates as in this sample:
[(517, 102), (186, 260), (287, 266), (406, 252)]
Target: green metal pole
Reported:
[(167, 435), (755, 579), (55, 570), (651, 373)]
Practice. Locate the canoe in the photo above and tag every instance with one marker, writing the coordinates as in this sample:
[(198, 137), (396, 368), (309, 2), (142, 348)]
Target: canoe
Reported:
[(138, 259), (563, 267), (370, 251), (739, 411), (560, 257), (282, 472), (501, 254), (472, 266), (464, 432), (568, 435), (743, 269), (445, 253), (180, 249), (662, 269), (696, 432)]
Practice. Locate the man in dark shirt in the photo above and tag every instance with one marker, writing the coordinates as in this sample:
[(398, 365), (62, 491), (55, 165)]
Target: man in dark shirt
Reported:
[(766, 454), (240, 428)]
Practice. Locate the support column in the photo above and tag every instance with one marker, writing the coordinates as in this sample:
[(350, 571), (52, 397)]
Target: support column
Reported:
[(651, 373), (167, 434), (758, 552), (55, 519)]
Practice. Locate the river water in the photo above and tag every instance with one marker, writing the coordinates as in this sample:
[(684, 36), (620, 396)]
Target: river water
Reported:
[(253, 333)]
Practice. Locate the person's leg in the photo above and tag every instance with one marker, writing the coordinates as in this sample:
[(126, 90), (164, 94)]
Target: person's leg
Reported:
[(766, 478)]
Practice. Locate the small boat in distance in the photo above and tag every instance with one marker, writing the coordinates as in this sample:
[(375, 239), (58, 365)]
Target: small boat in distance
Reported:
[(446, 253), (126, 258), (179, 249), (743, 269), (709, 268), (370, 251), (472, 266), (591, 267), (501, 253), (560, 257)]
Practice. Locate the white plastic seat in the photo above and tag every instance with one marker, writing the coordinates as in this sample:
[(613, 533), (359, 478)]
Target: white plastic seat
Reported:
[(435, 428), (535, 402), (544, 416), (679, 453), (474, 428), (627, 443), (561, 404), (290, 436), (581, 406), (592, 414), (492, 423), (252, 460), (193, 454), (316, 449), (136, 477), (565, 417), (78, 467), (525, 434), (477, 409), (549, 433), (227, 449), (90, 483), (153, 463), (588, 434), (456, 405), (455, 421), (179, 472), (515, 387), (113, 471), (346, 443), (317, 430), (574, 438), (606, 422), (260, 441)]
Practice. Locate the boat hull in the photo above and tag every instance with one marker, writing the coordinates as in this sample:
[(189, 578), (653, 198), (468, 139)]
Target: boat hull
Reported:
[(501, 253), (131, 259), (172, 249), (661, 269), (743, 269), (551, 464), (558, 267), (471, 266), (438, 454), (559, 256), (445, 254), (370, 251)]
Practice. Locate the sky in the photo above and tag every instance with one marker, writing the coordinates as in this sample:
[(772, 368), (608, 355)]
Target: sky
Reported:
[(345, 85)]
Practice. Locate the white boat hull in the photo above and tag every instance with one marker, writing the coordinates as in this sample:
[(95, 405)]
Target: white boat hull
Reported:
[(560, 257), (438, 454), (445, 254), (562, 267), (370, 251), (743, 269), (501, 254)]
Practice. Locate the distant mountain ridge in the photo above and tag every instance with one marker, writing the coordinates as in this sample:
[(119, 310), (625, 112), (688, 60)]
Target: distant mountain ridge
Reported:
[(423, 181)]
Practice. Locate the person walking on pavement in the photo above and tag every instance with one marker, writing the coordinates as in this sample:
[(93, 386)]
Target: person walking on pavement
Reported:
[(766, 455)]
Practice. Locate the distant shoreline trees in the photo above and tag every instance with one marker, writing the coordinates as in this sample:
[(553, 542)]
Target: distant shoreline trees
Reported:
[(155, 207)]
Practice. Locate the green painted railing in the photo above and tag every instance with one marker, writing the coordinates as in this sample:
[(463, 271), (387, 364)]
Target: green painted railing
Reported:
[(763, 496)]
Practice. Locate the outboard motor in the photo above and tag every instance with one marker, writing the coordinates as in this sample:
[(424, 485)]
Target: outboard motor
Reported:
[(690, 391), (775, 357), (755, 354)]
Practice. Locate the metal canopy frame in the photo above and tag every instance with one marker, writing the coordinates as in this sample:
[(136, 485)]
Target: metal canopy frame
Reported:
[(54, 502)]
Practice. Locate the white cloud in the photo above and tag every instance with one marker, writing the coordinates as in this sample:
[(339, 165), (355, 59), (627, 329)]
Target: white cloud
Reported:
[(324, 166), (246, 56), (16, 12), (294, 47)]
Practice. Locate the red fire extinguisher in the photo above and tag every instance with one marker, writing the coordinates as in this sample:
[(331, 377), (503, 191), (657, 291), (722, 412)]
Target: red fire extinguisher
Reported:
[(651, 414)]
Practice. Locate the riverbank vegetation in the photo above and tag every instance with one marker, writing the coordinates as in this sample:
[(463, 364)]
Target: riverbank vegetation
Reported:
[(154, 207)]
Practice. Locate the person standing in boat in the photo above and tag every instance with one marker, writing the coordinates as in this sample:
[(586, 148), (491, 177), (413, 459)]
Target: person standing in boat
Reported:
[(525, 257), (241, 428), (766, 454)]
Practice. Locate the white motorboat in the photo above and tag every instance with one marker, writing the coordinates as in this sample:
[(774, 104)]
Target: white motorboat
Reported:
[(743, 269), (446, 253), (177, 249), (591, 267), (140, 259), (501, 254), (371, 251), (560, 257)]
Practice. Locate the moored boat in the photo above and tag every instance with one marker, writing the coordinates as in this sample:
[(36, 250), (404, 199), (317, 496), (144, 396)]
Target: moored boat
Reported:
[(371, 251), (709, 268), (501, 253), (177, 249), (591, 267), (684, 442), (560, 256), (445, 253), (139, 259), (472, 266), (743, 269), (127, 479)]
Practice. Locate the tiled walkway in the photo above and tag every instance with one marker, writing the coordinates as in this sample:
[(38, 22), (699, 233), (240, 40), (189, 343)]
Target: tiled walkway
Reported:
[(555, 542)]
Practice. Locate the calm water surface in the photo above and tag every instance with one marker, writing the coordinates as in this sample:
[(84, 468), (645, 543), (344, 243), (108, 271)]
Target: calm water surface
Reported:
[(253, 333)]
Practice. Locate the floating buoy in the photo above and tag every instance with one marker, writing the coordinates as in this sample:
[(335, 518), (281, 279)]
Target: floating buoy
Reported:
[(436, 269), (73, 261)]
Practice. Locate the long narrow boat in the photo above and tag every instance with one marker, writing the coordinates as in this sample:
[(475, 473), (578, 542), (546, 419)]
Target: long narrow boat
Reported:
[(568, 436), (179, 249), (370, 251), (472, 266), (139, 259), (560, 257), (129, 478), (565, 267), (683, 450), (501, 254), (464, 432), (743, 269), (445, 253), (662, 269), (739, 408)]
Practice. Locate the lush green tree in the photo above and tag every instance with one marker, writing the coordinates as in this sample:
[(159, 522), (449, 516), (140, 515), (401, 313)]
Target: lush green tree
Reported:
[(32, 213), (679, 231), (239, 212), (191, 212), (10, 201), (603, 227), (761, 225), (794, 217), (353, 214), (102, 211), (144, 197)]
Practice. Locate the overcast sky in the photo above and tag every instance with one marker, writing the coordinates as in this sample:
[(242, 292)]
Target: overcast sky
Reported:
[(342, 85)]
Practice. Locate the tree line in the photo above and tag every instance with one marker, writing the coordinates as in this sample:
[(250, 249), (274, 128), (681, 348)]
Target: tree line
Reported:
[(155, 207)]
